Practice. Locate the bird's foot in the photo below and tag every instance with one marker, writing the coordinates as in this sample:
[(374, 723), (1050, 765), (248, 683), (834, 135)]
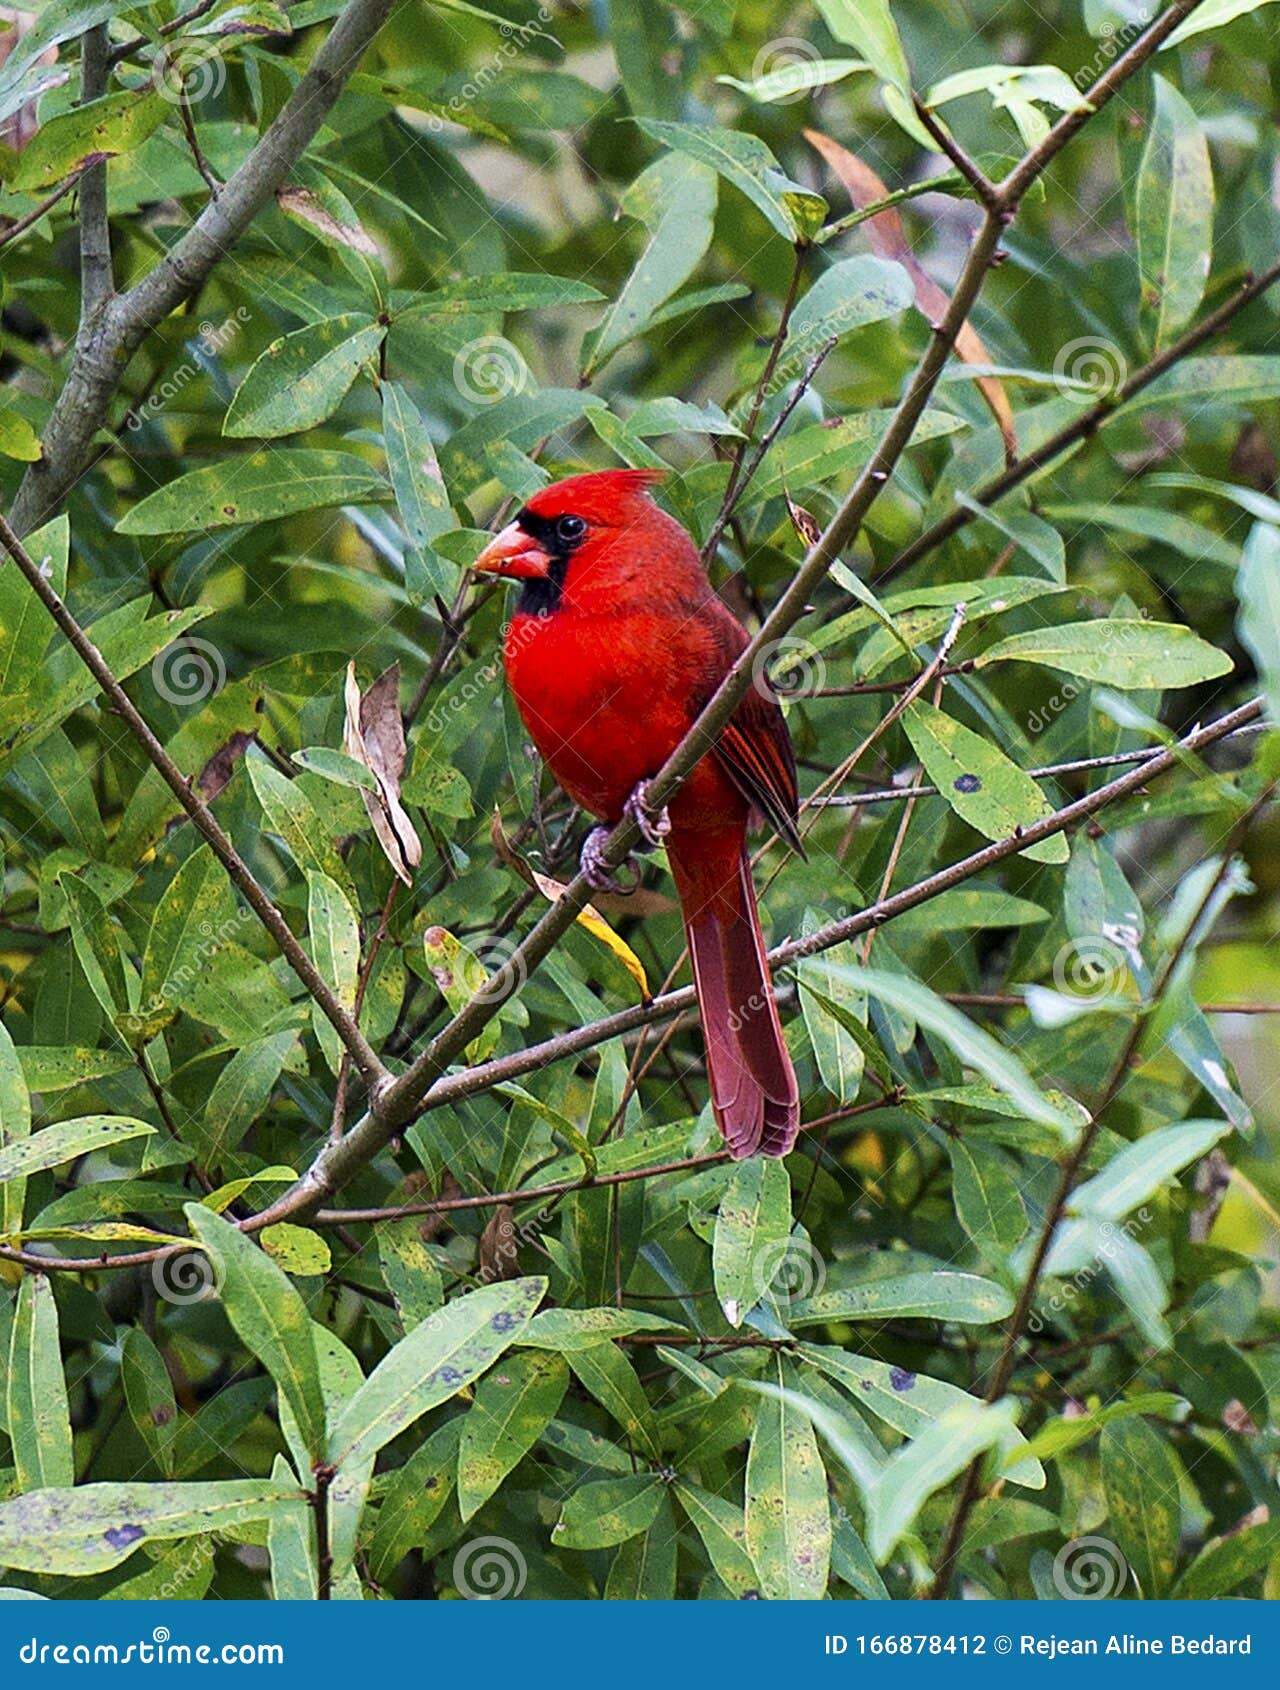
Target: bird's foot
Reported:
[(653, 830), (597, 873)]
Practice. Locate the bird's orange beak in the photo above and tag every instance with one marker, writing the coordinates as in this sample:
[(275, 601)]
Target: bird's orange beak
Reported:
[(513, 553)]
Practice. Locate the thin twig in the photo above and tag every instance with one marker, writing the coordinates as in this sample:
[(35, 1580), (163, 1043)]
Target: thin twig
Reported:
[(947, 144), (20, 225), (1069, 1173), (753, 416), (1084, 426), (363, 1054)]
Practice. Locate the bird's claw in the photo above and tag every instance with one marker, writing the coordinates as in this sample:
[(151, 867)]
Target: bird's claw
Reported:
[(653, 830), (597, 873)]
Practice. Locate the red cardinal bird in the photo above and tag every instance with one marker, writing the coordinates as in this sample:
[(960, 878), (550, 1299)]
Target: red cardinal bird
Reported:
[(617, 643)]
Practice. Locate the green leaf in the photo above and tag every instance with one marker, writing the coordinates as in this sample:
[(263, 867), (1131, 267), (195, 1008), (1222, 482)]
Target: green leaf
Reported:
[(797, 213), (753, 1225), (983, 786), (1213, 14), (974, 1047), (824, 980), (290, 813), (868, 26), (418, 484), (103, 129), (1174, 211), (296, 1249), (644, 1569), (15, 1129), (1042, 543), (479, 296), (788, 1522), (608, 1511), (941, 1295), (795, 79), (417, 1493), (723, 1529), (24, 623), (291, 1545), (36, 1393), (583, 1329), (926, 1464), (53, 1146), (148, 1391), (335, 950), (94, 1527), (987, 1198), (446, 1352), (1225, 1564), (1258, 589), (409, 1270), (675, 200), (1141, 1481), (850, 294), (513, 1404), (609, 1376), (911, 1403), (269, 1317), (256, 487), (1116, 652), (302, 378), (1142, 1167), (240, 1094)]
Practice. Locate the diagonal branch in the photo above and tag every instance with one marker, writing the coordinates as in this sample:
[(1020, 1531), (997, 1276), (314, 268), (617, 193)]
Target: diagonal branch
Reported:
[(113, 332), (344, 1024), (1085, 425)]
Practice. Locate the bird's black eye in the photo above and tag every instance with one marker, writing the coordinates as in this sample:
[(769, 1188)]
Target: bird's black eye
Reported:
[(570, 529)]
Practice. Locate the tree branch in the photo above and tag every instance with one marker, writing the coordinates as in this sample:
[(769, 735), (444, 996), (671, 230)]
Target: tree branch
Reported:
[(97, 282), (124, 320), (362, 1053)]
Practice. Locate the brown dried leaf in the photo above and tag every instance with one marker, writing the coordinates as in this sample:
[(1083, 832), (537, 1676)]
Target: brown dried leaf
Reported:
[(499, 1247), (887, 236), (303, 204), (374, 735), (220, 767), (1236, 1418), (18, 129)]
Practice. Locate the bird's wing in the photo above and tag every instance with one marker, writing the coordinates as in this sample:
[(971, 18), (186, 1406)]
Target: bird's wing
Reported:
[(755, 751)]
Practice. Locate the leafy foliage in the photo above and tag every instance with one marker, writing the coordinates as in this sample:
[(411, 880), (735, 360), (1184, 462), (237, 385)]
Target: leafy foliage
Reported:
[(530, 1333)]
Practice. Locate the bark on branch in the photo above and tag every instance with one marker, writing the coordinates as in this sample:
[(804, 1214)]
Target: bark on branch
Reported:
[(118, 324)]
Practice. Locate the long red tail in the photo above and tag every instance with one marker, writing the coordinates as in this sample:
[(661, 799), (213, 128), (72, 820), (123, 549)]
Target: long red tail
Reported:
[(753, 1085)]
